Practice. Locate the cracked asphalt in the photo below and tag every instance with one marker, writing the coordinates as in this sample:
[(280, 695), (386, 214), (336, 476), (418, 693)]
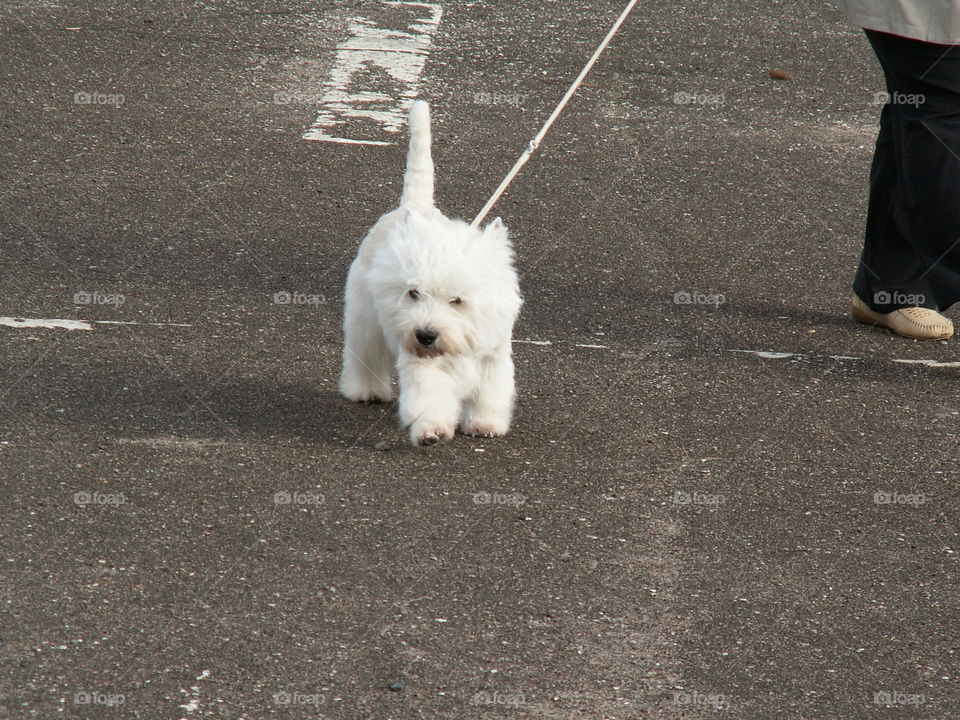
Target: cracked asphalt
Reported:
[(721, 498)]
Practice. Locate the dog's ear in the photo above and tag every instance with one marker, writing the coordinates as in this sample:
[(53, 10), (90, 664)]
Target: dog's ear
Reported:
[(496, 228)]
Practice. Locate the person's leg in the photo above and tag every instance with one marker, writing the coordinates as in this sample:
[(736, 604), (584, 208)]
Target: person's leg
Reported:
[(911, 253), (888, 260)]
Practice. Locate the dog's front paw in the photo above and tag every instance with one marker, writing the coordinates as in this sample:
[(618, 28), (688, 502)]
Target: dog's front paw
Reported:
[(369, 396), (485, 428), (429, 433), (366, 392)]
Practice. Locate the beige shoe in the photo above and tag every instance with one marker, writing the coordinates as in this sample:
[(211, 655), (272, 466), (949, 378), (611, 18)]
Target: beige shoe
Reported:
[(913, 322)]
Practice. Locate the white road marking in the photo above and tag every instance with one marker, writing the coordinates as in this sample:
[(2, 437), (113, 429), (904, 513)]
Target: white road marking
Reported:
[(904, 361), (21, 322), (929, 363), (134, 322), (347, 141), (770, 355), (168, 441), (376, 44), (545, 343)]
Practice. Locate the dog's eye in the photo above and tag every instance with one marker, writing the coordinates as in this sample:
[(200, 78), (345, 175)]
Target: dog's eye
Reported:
[(414, 295), (456, 301)]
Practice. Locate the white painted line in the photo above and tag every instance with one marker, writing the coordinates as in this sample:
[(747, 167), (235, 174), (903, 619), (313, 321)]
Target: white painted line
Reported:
[(380, 49), (929, 363), (903, 361), (134, 322), (20, 322), (770, 355), (545, 343), (169, 441), (394, 44), (347, 141)]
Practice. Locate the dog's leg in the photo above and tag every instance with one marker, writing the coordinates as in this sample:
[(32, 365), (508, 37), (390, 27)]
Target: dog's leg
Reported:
[(367, 361), (487, 412), (428, 401)]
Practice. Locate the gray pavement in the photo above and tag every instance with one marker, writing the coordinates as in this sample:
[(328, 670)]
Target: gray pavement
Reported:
[(744, 506)]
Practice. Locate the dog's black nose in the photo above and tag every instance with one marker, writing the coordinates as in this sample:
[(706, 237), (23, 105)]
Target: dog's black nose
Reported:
[(426, 337)]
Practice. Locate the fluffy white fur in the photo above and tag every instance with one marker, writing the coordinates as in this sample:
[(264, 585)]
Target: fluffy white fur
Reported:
[(419, 274)]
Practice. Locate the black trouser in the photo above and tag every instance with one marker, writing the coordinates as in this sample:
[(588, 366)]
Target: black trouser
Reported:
[(911, 252)]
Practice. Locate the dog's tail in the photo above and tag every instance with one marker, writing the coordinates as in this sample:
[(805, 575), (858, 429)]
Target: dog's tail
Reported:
[(418, 179)]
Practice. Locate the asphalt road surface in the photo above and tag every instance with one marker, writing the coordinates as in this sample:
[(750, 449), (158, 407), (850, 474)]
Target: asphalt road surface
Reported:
[(721, 498)]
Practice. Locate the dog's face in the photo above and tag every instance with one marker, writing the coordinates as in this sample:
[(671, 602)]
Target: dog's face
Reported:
[(444, 288), (434, 322)]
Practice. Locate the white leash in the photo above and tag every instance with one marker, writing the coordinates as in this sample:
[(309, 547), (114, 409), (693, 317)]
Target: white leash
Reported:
[(535, 143)]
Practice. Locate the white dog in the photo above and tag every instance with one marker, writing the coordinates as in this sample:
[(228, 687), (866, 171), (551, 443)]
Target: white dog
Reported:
[(437, 299)]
